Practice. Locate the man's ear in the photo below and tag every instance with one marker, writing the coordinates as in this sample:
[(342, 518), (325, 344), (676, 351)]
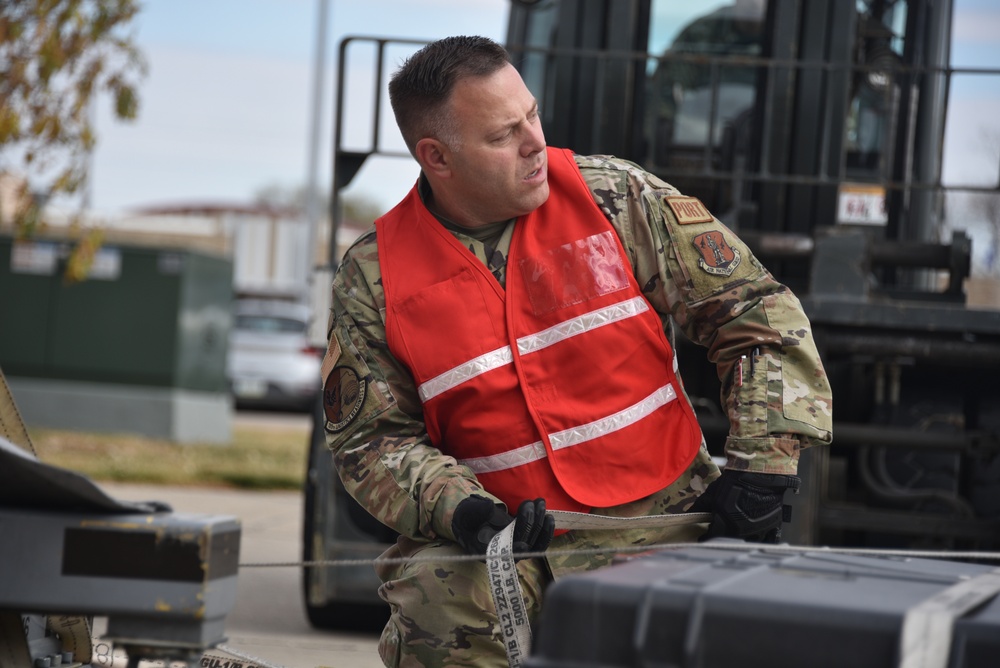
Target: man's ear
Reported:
[(434, 157)]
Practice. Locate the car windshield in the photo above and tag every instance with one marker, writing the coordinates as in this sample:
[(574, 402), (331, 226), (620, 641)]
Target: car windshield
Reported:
[(269, 324)]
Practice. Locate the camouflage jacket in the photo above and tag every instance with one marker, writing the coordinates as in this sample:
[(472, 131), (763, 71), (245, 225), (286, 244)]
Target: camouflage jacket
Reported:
[(697, 275)]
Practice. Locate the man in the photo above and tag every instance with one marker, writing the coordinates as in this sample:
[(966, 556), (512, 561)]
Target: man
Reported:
[(500, 344)]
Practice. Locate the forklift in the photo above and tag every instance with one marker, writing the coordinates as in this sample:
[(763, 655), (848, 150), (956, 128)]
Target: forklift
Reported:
[(815, 131)]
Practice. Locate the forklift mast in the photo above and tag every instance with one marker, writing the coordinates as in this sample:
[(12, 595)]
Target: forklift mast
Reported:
[(784, 117)]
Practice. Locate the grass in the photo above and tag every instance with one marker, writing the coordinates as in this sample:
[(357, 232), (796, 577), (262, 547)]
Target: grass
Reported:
[(256, 458)]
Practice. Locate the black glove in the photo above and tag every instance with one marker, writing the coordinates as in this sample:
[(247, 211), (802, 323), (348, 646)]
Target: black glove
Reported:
[(477, 520), (746, 505)]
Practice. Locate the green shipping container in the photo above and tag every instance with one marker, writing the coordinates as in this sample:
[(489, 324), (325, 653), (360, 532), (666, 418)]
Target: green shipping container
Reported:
[(150, 320)]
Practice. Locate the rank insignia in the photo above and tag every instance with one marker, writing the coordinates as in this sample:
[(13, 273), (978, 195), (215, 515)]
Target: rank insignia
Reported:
[(717, 256)]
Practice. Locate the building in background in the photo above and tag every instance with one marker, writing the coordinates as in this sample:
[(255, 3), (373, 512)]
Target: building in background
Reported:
[(140, 344)]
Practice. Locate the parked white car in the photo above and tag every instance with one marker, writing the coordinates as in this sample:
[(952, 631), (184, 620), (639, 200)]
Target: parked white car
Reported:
[(271, 364)]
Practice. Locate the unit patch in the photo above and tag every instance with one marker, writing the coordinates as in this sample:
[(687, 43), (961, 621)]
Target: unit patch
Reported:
[(343, 396), (689, 210), (717, 256)]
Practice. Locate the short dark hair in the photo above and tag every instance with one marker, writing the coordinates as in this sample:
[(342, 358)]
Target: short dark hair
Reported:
[(420, 88)]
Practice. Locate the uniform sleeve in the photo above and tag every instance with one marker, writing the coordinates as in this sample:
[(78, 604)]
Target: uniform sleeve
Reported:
[(374, 424), (698, 273)]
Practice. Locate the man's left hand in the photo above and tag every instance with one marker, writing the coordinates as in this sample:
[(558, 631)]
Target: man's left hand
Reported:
[(746, 505), (477, 520)]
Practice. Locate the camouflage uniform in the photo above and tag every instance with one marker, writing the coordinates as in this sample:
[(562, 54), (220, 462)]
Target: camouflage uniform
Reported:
[(441, 612)]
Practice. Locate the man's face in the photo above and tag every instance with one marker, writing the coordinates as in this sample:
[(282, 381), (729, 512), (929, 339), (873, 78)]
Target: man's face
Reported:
[(499, 170)]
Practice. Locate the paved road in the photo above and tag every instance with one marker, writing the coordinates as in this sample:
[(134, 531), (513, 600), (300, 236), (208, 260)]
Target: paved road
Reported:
[(268, 621)]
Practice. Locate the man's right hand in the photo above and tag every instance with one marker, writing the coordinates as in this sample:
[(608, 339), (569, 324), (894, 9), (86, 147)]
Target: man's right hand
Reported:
[(477, 520), (746, 505)]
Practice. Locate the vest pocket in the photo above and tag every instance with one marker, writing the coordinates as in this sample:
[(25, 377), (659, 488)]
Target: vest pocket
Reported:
[(451, 317), (573, 273)]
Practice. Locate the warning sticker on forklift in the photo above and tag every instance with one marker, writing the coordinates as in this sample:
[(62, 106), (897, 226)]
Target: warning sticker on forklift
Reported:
[(861, 204)]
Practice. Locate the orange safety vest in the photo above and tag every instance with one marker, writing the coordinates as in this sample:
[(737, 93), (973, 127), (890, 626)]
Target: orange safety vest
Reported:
[(564, 387)]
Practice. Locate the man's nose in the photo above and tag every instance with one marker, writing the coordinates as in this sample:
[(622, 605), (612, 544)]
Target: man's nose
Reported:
[(534, 141)]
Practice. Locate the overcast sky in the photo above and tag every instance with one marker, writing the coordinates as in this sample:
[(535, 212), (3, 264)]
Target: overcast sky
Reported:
[(225, 108)]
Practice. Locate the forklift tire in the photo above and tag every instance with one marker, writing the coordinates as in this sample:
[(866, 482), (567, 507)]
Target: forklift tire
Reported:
[(331, 616)]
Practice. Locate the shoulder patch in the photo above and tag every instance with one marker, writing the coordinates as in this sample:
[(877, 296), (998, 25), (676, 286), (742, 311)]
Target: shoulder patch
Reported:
[(718, 257), (689, 210), (343, 396)]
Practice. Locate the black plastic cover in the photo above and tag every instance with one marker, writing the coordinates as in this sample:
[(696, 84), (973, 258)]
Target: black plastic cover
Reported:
[(703, 607)]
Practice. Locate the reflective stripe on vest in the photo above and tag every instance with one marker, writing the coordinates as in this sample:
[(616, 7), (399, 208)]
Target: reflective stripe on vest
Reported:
[(575, 436), (528, 344)]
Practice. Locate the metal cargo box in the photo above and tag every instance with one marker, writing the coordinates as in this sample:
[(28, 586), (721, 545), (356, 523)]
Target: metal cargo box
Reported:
[(706, 607)]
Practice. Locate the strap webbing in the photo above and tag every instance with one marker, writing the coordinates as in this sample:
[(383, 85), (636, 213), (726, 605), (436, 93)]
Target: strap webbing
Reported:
[(505, 587), (927, 627)]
